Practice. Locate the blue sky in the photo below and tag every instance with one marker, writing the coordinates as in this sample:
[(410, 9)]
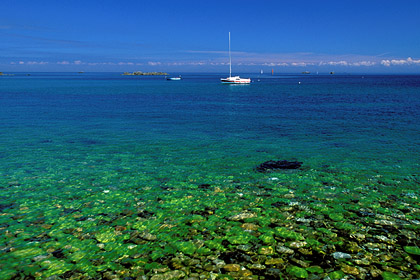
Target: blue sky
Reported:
[(192, 36)]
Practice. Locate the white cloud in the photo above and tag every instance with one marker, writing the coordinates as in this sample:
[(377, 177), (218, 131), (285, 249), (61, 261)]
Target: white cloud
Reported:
[(298, 64), (347, 63), (386, 62), (37, 62), (398, 62), (338, 63), (63, 62), (21, 62), (275, 64), (154, 63), (334, 63), (364, 63), (77, 62)]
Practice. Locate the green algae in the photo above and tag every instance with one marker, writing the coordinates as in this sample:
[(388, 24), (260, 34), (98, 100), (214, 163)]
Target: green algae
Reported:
[(148, 219), (267, 238), (8, 273), (288, 234), (297, 272), (315, 269), (336, 274), (336, 216), (105, 236), (187, 247), (412, 250), (55, 267), (390, 276)]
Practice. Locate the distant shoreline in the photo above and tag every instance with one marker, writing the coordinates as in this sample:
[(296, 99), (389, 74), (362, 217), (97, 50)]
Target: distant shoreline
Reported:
[(3, 74)]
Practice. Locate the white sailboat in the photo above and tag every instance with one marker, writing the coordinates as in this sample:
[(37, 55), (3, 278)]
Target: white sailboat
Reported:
[(234, 79)]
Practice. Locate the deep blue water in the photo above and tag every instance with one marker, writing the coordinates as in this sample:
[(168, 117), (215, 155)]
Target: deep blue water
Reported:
[(367, 122)]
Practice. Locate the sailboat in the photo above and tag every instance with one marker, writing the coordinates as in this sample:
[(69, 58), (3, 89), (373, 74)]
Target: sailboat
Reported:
[(235, 79)]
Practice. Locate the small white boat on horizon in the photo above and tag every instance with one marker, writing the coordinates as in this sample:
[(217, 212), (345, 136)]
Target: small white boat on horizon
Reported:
[(174, 78), (235, 79)]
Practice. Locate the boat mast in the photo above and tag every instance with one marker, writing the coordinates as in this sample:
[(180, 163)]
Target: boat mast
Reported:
[(230, 60)]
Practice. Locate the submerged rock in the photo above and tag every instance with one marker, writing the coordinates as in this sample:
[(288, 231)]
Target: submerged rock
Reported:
[(242, 216), (284, 250), (175, 274), (273, 165), (341, 255), (232, 267)]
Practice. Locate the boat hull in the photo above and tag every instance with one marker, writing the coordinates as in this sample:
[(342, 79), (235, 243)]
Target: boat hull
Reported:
[(235, 80)]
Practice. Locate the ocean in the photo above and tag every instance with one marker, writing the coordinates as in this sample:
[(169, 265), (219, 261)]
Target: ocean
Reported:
[(136, 177)]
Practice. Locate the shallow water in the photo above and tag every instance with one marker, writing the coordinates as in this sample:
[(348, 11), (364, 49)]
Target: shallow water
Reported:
[(81, 154)]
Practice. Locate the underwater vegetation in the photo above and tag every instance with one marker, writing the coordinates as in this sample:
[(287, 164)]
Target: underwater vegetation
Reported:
[(170, 215)]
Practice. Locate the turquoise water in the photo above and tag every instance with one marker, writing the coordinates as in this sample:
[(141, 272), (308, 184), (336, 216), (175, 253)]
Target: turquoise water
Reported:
[(90, 160)]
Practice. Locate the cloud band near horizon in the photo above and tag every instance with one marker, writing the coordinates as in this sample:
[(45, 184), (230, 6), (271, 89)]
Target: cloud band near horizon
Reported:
[(247, 62)]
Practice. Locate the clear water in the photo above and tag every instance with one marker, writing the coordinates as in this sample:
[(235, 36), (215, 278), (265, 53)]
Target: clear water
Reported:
[(100, 143), (357, 122)]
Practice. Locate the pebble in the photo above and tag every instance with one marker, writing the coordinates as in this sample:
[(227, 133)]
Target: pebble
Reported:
[(301, 263), (120, 228), (250, 226), (303, 220), (232, 267), (274, 261), (350, 269), (219, 263), (341, 255), (147, 236), (362, 262), (297, 245), (256, 266), (40, 258), (375, 272), (242, 216), (306, 252), (266, 250), (244, 273), (160, 270), (244, 248), (385, 223), (210, 267), (284, 250), (174, 274), (358, 236)]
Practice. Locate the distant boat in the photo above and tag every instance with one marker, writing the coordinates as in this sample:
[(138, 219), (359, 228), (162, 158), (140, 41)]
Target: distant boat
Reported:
[(235, 79), (306, 72), (261, 72), (174, 78)]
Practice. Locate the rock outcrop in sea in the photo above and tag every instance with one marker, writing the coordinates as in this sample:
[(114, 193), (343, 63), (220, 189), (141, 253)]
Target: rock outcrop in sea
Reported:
[(273, 165)]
